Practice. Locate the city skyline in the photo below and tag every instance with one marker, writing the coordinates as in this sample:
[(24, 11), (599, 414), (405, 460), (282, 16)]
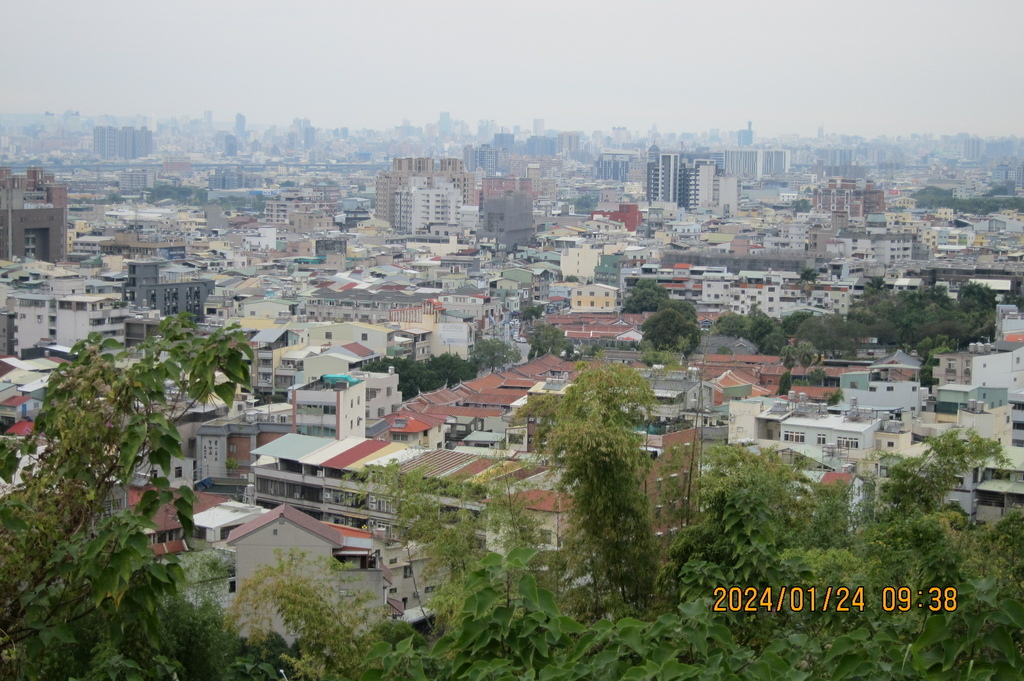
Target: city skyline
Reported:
[(879, 70)]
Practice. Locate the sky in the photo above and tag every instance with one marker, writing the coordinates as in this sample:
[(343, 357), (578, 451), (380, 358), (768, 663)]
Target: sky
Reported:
[(863, 67)]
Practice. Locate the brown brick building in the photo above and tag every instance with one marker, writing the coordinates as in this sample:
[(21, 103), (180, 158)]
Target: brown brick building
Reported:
[(33, 215)]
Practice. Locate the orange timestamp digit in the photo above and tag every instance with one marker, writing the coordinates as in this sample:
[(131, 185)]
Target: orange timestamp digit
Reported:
[(788, 598)]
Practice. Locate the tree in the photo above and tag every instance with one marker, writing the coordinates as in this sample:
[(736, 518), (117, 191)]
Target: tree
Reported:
[(791, 322), (413, 377), (647, 296), (790, 357), (492, 353), (547, 339), (808, 275), (919, 484), (732, 325), (801, 206), (451, 369), (531, 313), (759, 327), (683, 307), (785, 383), (669, 330), (596, 445), (107, 416), (308, 595)]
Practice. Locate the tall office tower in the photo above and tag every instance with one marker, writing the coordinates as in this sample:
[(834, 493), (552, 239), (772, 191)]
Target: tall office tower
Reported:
[(537, 146), (538, 127), (508, 219), (110, 142), (484, 158), (504, 140), (700, 184), (208, 120), (613, 165), (568, 143), (754, 162), (135, 143), (444, 124), (745, 138), (391, 182), (665, 177), (105, 141), (240, 126), (33, 215)]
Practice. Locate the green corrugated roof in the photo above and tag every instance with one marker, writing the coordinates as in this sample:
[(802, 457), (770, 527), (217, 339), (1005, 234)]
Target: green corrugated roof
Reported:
[(1002, 486), (292, 446)]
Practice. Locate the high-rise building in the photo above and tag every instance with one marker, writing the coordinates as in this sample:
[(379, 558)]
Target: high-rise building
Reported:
[(613, 165), (745, 138), (444, 124), (425, 202), (105, 141), (508, 219), (127, 142), (855, 198), (539, 147), (240, 126), (665, 177), (538, 127), (447, 170), (33, 215)]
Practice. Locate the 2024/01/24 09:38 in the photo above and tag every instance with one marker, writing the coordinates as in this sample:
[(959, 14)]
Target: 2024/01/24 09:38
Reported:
[(830, 599)]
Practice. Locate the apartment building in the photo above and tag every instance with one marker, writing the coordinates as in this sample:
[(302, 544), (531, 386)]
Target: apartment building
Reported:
[(65, 320)]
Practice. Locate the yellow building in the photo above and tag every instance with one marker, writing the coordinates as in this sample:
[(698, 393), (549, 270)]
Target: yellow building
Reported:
[(595, 298)]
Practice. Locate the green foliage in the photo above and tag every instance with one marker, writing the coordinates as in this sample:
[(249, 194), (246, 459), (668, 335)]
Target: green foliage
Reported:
[(919, 484), (596, 444), (911, 317), (934, 197), (492, 353), (531, 313), (731, 324), (511, 630), (831, 334), (308, 595), (105, 418), (584, 204), (801, 206), (647, 296), (547, 339), (668, 329), (785, 383), (416, 377)]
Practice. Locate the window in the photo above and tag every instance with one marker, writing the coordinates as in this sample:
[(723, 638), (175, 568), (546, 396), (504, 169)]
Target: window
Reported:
[(820, 438), (407, 571), (889, 388), (793, 436), (365, 336), (329, 335), (177, 471), (848, 442)]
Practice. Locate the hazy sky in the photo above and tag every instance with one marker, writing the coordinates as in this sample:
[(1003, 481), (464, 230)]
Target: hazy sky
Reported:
[(864, 67)]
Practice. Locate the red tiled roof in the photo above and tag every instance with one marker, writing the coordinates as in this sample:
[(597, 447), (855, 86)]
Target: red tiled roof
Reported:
[(20, 428), (505, 397), (166, 517), (358, 349), (478, 412), (830, 478), (353, 454), (16, 401), (414, 422), (174, 546)]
